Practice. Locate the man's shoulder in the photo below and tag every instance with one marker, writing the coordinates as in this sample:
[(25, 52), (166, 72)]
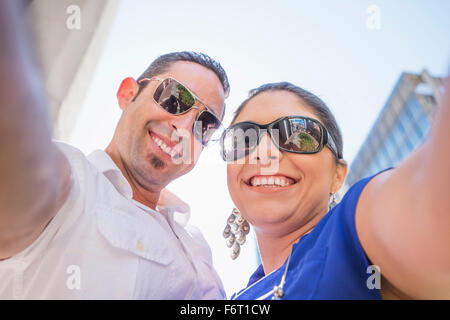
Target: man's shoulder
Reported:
[(82, 168), (69, 151), (75, 156), (84, 195)]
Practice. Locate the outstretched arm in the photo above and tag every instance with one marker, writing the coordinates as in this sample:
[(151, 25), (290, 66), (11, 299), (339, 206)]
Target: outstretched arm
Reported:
[(34, 175), (403, 216)]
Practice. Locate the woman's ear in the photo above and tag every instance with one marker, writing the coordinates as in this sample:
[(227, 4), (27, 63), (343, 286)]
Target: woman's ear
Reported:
[(127, 91), (340, 174)]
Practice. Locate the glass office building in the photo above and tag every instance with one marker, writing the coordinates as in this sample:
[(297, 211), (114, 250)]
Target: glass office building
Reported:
[(401, 126)]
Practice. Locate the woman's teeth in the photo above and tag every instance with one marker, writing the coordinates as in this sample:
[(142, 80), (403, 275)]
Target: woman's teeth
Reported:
[(271, 181), (171, 152)]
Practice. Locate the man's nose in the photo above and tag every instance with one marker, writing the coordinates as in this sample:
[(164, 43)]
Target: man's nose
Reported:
[(183, 123)]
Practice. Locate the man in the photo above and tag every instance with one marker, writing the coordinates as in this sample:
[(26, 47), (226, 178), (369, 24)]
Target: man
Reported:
[(102, 227)]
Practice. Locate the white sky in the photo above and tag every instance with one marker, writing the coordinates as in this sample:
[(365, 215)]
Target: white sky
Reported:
[(323, 46)]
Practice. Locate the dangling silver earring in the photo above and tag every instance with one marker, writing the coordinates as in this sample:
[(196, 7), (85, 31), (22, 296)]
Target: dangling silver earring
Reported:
[(235, 232), (332, 201)]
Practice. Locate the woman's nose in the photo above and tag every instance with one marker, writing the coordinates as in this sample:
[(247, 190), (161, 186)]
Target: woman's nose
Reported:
[(266, 152)]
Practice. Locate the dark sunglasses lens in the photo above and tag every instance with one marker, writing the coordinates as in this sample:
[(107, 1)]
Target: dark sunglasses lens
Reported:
[(298, 135), (173, 97), (238, 141), (207, 128)]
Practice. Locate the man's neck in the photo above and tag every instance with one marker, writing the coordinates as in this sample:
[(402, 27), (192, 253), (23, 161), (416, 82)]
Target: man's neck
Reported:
[(140, 193), (150, 199)]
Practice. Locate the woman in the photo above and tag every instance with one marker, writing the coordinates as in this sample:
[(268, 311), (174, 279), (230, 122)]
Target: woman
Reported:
[(388, 237)]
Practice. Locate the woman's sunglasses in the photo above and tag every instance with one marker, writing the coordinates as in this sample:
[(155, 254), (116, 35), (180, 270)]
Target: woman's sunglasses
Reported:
[(294, 134), (177, 99)]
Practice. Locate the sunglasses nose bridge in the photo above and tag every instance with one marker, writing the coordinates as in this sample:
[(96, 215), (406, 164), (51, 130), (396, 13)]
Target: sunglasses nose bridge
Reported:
[(199, 111), (266, 150)]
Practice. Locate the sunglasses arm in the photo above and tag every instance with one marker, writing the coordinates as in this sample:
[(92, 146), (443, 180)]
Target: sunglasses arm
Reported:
[(330, 143)]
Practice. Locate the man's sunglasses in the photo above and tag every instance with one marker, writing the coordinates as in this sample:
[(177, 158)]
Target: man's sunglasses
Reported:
[(177, 99), (294, 134)]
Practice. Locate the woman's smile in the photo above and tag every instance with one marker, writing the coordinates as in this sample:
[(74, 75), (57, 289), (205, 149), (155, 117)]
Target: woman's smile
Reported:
[(269, 183)]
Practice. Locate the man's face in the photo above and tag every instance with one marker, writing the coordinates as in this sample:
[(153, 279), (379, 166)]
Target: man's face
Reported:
[(149, 140)]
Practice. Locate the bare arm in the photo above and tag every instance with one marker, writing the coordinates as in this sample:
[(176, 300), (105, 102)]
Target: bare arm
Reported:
[(403, 216), (34, 175)]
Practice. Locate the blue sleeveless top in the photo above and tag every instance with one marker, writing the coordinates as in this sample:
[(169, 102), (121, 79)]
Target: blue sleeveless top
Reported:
[(327, 263)]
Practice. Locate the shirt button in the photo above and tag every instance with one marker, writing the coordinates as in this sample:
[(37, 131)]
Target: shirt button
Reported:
[(140, 246)]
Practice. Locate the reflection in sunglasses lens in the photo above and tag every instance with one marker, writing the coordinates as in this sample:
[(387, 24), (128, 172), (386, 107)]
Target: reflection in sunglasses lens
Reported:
[(206, 128), (239, 141), (292, 135), (176, 99), (173, 97), (299, 135)]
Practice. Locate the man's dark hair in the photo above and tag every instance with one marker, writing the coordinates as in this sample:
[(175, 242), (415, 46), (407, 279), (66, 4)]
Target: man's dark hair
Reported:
[(164, 62), (318, 107)]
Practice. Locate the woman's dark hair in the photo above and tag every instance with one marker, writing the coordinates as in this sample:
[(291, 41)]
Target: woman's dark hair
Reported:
[(317, 105)]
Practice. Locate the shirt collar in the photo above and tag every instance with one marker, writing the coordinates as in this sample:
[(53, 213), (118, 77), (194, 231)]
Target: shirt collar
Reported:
[(168, 202), (106, 165)]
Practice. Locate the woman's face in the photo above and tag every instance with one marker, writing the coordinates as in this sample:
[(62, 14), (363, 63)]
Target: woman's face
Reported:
[(310, 177)]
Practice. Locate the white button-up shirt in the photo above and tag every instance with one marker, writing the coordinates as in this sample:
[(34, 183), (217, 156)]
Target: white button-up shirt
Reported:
[(102, 244)]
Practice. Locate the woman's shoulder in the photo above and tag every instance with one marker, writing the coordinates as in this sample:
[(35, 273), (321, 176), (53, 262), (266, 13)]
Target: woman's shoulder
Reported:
[(357, 187), (340, 220), (350, 199)]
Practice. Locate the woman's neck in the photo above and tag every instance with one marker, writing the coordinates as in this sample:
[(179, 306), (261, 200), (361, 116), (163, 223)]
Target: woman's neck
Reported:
[(275, 248)]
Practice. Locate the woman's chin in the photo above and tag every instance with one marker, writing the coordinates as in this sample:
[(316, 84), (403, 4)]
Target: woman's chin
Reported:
[(267, 212)]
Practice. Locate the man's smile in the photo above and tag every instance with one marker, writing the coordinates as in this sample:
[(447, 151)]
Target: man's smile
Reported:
[(168, 148)]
